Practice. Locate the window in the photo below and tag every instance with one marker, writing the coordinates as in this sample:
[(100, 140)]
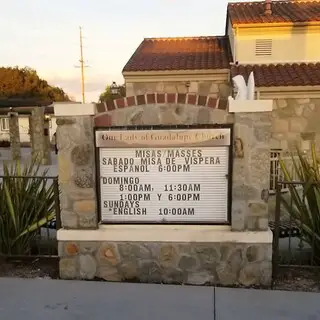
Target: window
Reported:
[(4, 124), (275, 170), (263, 47)]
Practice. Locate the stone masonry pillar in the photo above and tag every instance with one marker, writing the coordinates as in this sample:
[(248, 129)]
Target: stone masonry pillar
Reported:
[(251, 169), (76, 166), (40, 147), (14, 135)]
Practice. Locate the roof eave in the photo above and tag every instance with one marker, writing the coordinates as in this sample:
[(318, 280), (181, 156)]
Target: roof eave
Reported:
[(282, 88), (175, 72), (289, 92), (24, 110), (275, 24), (177, 75)]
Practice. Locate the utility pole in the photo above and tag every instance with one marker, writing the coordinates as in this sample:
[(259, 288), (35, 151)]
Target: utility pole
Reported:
[(82, 66)]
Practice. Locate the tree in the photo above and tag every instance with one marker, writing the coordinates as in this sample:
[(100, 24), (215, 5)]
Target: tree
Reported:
[(107, 94), (25, 83)]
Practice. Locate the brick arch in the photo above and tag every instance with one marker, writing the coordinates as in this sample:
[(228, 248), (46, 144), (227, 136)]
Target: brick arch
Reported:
[(104, 118)]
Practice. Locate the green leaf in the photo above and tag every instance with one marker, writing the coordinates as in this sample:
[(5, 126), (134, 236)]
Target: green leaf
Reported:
[(26, 204), (10, 205), (305, 209), (36, 226)]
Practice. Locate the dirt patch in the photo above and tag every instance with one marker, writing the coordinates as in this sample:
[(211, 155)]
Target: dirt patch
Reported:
[(298, 279), (289, 279), (29, 268)]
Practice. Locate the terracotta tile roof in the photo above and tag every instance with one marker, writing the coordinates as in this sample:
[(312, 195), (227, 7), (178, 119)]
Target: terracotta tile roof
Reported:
[(159, 54), (277, 75), (282, 11)]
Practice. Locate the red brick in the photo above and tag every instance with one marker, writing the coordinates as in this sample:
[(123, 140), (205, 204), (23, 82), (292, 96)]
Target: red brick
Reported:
[(191, 99), (171, 97), (101, 107), (110, 105), (223, 104), (202, 100), (212, 102), (131, 101), (151, 99), (103, 120), (182, 98), (120, 103), (161, 98), (141, 100)]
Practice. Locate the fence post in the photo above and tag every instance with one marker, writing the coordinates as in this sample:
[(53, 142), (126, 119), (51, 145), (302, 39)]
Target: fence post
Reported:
[(40, 150), (276, 235), (14, 135), (57, 203)]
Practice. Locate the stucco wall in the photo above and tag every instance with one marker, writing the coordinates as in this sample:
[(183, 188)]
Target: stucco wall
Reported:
[(212, 88), (288, 44)]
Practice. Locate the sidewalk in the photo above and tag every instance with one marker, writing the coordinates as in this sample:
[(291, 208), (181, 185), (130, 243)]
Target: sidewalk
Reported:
[(39, 299)]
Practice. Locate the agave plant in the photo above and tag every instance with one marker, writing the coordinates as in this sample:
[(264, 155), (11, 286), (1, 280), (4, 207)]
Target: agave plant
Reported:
[(304, 207), (26, 204)]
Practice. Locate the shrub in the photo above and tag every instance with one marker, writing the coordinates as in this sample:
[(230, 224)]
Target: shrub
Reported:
[(305, 209), (26, 204)]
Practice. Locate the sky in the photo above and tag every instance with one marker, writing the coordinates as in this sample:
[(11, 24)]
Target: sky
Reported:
[(44, 35)]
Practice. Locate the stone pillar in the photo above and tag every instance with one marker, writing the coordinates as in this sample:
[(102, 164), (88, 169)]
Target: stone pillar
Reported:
[(251, 168), (39, 140), (76, 166), (14, 135)]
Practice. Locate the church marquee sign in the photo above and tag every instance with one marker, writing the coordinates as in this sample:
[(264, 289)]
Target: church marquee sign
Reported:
[(178, 175)]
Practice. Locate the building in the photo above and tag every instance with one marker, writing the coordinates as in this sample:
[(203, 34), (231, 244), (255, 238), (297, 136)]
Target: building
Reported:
[(277, 40), (24, 128), (24, 107), (185, 65)]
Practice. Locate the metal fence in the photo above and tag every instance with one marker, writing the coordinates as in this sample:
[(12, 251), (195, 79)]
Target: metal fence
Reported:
[(296, 238), (29, 216), (276, 173)]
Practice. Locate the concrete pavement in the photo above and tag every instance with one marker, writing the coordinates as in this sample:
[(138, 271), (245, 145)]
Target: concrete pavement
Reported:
[(37, 299)]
